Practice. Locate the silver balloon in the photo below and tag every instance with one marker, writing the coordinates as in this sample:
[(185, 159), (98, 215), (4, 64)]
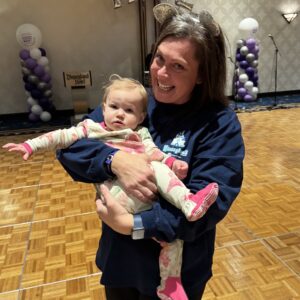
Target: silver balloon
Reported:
[(254, 63), (48, 93), (26, 71), (240, 43), (244, 50), (42, 85), (250, 57), (33, 79)]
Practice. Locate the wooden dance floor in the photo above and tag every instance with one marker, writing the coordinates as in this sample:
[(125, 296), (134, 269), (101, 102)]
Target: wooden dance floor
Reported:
[(49, 230)]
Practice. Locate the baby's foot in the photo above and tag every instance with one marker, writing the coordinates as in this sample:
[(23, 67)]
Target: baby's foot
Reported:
[(173, 290), (197, 205)]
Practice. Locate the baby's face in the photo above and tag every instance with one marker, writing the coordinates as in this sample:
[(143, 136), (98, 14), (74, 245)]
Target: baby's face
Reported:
[(123, 109)]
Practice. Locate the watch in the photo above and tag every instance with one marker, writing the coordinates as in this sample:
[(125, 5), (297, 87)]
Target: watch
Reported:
[(138, 230), (108, 162)]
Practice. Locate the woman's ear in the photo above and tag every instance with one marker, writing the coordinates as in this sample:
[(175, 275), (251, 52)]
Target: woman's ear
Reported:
[(199, 80)]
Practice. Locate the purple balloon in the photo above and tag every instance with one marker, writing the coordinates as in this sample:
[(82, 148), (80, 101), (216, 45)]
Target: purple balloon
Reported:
[(24, 54), (239, 84), (32, 117), (43, 51), (242, 92), (46, 78), (251, 43), (39, 71), (29, 86), (240, 57), (36, 94), (244, 64), (248, 98), (250, 72), (30, 63)]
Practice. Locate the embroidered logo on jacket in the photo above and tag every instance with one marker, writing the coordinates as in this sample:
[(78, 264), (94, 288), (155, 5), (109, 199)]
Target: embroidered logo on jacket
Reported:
[(177, 146)]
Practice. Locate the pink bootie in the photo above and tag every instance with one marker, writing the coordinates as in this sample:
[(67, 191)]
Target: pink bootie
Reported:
[(173, 290)]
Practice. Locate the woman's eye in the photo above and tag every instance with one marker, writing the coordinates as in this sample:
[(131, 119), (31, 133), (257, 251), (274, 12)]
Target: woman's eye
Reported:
[(178, 67), (159, 58)]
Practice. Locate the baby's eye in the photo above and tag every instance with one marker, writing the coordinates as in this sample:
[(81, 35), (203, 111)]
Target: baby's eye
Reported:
[(113, 106), (129, 110)]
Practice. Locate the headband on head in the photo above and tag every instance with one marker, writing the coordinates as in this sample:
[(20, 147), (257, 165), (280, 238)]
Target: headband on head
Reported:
[(162, 11)]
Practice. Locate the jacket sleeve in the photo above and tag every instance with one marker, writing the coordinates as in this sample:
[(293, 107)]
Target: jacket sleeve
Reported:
[(218, 157), (84, 160)]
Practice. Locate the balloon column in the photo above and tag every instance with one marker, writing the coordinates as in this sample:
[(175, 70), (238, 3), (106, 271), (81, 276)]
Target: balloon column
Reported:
[(35, 70), (246, 72)]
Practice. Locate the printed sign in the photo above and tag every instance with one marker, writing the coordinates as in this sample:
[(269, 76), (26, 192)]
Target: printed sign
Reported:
[(77, 79)]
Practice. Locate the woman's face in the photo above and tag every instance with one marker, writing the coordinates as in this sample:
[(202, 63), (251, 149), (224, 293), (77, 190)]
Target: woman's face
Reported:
[(174, 71)]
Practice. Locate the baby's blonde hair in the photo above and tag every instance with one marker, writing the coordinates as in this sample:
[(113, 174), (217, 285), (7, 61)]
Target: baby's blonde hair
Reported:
[(117, 82)]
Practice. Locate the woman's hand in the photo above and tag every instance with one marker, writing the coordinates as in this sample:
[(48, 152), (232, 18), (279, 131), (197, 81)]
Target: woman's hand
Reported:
[(113, 214), (135, 175)]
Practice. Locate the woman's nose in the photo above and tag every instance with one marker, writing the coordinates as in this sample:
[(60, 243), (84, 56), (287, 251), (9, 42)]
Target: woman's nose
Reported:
[(162, 71)]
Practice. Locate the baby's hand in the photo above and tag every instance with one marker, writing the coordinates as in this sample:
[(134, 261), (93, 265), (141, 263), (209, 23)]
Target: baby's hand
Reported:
[(19, 148), (180, 168)]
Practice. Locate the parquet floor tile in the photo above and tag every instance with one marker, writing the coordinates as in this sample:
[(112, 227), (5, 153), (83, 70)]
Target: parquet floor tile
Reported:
[(61, 249), (64, 199), (13, 248), (49, 230)]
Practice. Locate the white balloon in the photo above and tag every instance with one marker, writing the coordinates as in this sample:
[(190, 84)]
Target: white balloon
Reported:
[(254, 91), (244, 50), (43, 61), (248, 85), (29, 36), (35, 53), (249, 26), (243, 78), (36, 109), (45, 116), (240, 43), (31, 101)]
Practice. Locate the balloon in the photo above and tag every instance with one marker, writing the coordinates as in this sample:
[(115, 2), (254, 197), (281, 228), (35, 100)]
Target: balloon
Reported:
[(244, 50), (251, 43), (254, 63), (33, 117), (238, 84), (24, 54), (31, 101), (26, 71), (42, 86), (244, 64), (30, 63), (242, 92), (29, 86), (43, 61), (46, 78), (48, 93), (35, 53), (39, 70), (45, 116), (243, 78), (248, 85), (250, 57), (239, 57), (248, 98), (33, 79), (36, 109), (250, 71), (29, 36), (240, 43), (248, 26)]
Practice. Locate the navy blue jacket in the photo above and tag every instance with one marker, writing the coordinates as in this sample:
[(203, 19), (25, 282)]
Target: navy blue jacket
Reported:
[(210, 141)]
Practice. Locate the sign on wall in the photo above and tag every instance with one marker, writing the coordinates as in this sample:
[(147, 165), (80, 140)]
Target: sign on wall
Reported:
[(77, 79)]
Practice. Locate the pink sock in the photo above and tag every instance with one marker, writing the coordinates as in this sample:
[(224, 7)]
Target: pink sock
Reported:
[(173, 290), (203, 199)]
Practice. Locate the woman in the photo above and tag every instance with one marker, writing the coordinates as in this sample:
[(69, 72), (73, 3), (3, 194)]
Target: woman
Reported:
[(188, 117)]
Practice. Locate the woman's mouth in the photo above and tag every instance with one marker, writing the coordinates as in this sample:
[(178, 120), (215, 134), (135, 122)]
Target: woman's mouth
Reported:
[(164, 87)]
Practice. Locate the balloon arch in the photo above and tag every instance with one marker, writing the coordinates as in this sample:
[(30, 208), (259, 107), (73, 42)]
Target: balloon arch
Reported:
[(246, 66), (35, 70)]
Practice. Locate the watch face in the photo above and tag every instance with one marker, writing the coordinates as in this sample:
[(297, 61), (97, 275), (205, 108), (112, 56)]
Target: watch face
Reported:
[(138, 234)]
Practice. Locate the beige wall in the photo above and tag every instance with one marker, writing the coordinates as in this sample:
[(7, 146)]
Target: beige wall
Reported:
[(92, 35)]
